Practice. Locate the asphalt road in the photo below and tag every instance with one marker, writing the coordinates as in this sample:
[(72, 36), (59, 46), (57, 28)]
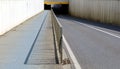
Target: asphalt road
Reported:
[(95, 45)]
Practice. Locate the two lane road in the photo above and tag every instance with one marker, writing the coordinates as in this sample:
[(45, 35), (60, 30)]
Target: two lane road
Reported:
[(94, 47)]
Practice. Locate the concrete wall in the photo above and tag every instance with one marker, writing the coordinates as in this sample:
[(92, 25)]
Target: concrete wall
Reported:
[(14, 12), (107, 11)]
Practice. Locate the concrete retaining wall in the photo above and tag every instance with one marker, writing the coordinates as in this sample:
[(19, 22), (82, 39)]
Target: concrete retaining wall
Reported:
[(14, 12), (107, 11)]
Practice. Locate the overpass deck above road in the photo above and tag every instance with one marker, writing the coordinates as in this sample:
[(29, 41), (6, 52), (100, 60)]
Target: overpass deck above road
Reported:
[(50, 2)]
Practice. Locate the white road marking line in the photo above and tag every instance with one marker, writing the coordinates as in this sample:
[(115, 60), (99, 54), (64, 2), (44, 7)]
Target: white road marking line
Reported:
[(102, 31), (76, 64)]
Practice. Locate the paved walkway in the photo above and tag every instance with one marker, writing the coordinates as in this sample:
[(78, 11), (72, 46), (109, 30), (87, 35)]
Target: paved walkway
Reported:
[(43, 51), (15, 46)]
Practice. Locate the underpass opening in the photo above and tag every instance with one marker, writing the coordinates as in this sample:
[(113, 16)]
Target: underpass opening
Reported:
[(47, 7), (60, 8)]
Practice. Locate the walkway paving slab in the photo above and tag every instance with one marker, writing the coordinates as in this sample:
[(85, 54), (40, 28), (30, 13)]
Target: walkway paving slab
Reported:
[(16, 44)]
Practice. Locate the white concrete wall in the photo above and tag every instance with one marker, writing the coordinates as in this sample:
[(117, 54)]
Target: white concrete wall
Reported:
[(107, 11), (14, 12)]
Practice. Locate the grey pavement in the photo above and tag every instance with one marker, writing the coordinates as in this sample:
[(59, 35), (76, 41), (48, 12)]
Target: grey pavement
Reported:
[(92, 48), (16, 44), (43, 51)]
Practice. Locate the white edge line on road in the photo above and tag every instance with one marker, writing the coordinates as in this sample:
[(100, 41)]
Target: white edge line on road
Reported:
[(75, 62), (101, 30)]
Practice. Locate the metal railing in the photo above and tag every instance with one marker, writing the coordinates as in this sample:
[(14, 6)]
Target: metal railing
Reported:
[(57, 31)]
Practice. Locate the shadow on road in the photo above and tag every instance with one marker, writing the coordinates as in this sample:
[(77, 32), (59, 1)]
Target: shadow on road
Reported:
[(99, 24)]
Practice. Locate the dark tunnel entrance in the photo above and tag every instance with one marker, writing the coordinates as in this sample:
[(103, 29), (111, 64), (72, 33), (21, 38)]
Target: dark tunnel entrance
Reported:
[(47, 7), (60, 8)]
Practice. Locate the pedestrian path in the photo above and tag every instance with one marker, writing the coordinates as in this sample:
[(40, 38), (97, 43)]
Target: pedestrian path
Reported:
[(43, 51), (15, 46)]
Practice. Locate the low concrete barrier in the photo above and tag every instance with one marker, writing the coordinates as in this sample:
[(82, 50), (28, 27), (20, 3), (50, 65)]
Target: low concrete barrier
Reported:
[(62, 52), (57, 30)]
